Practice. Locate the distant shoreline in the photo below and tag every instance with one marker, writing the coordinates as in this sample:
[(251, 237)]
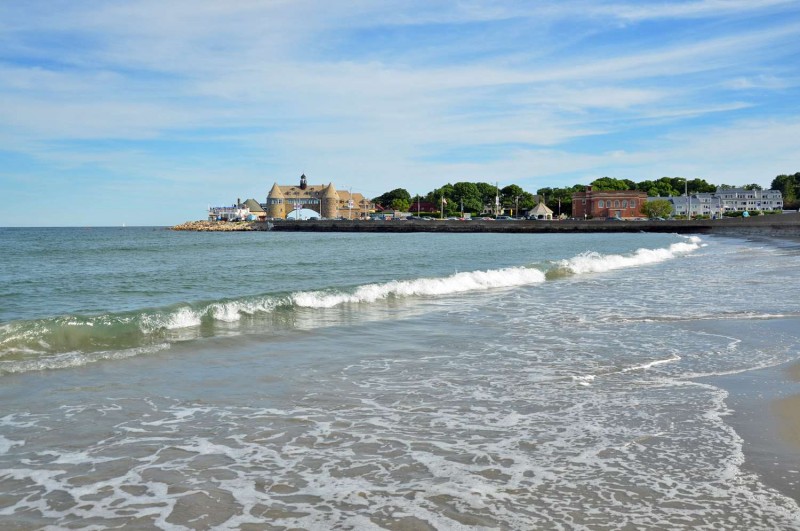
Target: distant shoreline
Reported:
[(776, 225)]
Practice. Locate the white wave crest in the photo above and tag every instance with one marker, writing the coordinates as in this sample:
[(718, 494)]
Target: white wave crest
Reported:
[(456, 283), (182, 318), (594, 262), (71, 359), (233, 311)]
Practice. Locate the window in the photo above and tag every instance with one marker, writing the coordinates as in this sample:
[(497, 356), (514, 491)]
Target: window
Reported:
[(624, 203), (616, 203), (633, 203), (601, 204)]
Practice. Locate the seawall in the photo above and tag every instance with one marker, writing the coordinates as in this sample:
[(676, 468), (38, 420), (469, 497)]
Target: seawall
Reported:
[(776, 225)]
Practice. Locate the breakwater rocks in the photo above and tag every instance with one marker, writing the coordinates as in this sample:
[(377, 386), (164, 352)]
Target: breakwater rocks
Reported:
[(778, 225), (223, 226)]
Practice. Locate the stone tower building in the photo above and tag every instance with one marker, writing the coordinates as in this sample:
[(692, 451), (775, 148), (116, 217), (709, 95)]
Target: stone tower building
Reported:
[(276, 203), (282, 200)]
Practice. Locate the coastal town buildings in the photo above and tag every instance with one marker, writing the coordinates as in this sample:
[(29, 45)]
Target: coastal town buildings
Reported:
[(326, 201), (608, 203), (716, 204)]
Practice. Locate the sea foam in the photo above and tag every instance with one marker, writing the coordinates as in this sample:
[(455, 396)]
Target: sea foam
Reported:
[(456, 283), (594, 262)]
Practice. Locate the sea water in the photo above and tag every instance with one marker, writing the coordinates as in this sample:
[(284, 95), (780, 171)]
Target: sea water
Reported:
[(173, 380)]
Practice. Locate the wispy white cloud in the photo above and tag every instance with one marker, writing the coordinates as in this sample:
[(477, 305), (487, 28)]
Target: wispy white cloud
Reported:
[(381, 95)]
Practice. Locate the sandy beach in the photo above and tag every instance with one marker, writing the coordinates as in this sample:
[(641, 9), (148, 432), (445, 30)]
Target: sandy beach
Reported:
[(765, 412), (788, 411)]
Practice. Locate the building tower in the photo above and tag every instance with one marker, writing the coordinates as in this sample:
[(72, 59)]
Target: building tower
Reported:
[(276, 203), (330, 206)]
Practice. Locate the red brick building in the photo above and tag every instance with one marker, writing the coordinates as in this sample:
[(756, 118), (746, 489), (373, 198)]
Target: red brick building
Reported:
[(608, 204)]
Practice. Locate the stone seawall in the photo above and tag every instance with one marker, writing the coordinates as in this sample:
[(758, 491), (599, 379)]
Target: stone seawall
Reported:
[(777, 225)]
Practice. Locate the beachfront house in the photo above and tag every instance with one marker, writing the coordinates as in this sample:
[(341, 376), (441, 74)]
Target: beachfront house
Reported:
[(716, 204)]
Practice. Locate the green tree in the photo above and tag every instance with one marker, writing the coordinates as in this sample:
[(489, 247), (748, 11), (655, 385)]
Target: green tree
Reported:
[(508, 193), (448, 193), (488, 193), (700, 186), (387, 198), (663, 187), (468, 194), (753, 186), (400, 204), (559, 200), (658, 208), (609, 183), (789, 186)]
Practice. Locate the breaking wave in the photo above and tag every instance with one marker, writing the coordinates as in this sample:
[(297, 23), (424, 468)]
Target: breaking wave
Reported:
[(73, 340), (594, 262)]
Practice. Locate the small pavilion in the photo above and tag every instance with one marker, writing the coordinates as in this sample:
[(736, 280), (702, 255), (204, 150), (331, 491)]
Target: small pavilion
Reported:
[(540, 211)]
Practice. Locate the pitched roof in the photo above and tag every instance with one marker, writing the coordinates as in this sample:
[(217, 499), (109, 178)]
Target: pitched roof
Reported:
[(276, 192), (253, 205), (541, 210)]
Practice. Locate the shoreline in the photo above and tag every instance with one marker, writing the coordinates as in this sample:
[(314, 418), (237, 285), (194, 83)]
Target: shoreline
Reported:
[(765, 414), (777, 225), (787, 410)]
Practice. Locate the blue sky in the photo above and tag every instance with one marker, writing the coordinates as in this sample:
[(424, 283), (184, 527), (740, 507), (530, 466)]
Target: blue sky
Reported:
[(145, 112)]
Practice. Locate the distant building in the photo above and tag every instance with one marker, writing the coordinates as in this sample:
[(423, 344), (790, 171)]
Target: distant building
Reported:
[(325, 200), (715, 204), (256, 210), (540, 211), (236, 212), (608, 203), (421, 207)]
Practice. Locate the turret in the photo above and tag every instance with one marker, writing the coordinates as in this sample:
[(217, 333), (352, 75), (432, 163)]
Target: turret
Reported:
[(330, 202), (276, 203)]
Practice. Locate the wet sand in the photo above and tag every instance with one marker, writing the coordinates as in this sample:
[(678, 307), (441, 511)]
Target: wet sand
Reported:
[(765, 406), (787, 410)]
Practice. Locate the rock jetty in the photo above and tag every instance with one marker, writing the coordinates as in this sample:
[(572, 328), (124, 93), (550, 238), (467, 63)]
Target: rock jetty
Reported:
[(223, 226)]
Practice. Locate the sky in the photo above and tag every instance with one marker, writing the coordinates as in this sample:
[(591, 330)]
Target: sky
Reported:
[(146, 112)]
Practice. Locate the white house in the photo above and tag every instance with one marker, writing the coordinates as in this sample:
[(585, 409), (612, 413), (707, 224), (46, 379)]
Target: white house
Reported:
[(724, 200)]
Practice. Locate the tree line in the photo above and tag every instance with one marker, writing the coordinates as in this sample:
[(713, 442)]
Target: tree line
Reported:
[(478, 197)]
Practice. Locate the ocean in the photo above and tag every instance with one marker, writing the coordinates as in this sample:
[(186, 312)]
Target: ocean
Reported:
[(152, 379)]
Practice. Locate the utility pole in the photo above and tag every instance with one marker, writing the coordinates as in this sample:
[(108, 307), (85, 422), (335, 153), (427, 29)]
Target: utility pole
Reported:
[(688, 200)]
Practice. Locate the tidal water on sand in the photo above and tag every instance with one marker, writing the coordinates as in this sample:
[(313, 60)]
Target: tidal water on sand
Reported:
[(152, 379)]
